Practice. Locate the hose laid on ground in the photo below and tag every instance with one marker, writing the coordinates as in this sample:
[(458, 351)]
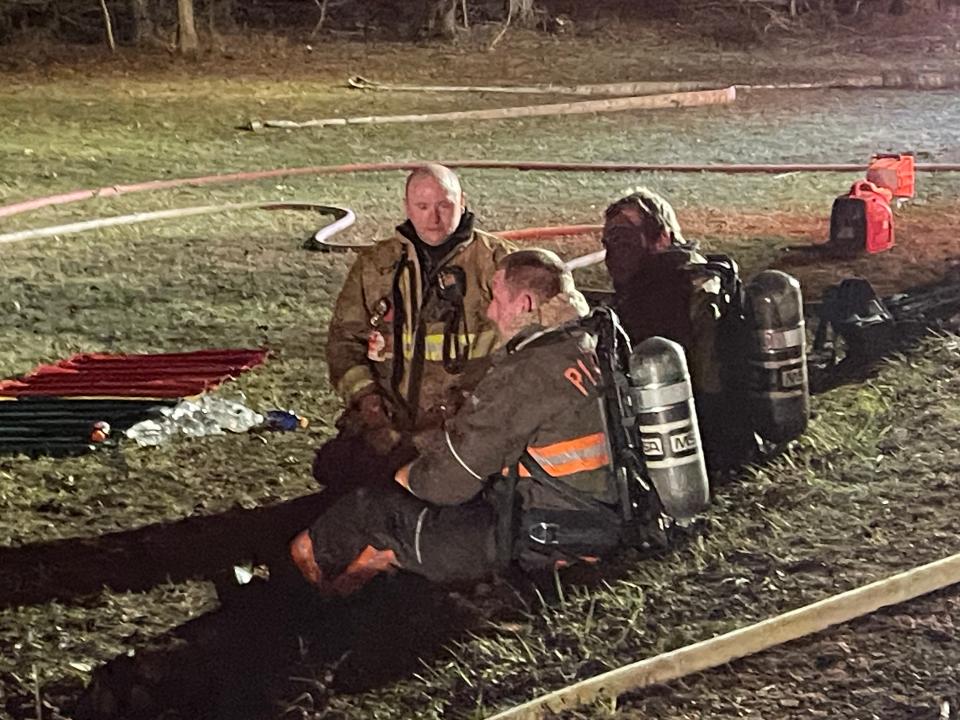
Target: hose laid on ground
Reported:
[(644, 87), (925, 80), (223, 179), (556, 231), (343, 218), (322, 239), (696, 98), (550, 231), (745, 641)]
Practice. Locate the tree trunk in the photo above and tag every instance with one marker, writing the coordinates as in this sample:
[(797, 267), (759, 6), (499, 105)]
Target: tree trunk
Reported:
[(521, 12), (442, 18), (142, 24), (187, 40)]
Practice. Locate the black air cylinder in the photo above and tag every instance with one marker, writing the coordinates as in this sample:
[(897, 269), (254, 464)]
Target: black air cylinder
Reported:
[(778, 389)]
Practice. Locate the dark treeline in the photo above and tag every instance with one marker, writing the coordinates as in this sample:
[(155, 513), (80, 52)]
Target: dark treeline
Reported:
[(187, 24)]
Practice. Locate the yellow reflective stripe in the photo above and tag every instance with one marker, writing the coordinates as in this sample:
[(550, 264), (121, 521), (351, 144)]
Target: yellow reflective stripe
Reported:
[(570, 456), (477, 344)]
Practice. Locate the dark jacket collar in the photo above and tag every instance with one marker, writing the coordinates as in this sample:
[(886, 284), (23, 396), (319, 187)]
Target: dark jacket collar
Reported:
[(436, 254)]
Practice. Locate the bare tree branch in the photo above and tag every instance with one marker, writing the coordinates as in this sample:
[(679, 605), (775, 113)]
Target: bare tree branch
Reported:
[(109, 25), (503, 30), (323, 16)]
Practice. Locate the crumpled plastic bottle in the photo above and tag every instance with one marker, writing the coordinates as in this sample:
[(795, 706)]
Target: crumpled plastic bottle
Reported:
[(208, 416), (191, 419), (148, 433), (230, 414)]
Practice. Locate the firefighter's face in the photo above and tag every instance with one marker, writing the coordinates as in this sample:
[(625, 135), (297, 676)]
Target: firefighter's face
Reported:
[(507, 306), (434, 210), (629, 239)]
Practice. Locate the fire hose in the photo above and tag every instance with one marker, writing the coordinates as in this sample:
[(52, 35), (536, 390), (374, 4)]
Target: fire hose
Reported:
[(343, 218), (744, 641), (322, 239), (23, 206)]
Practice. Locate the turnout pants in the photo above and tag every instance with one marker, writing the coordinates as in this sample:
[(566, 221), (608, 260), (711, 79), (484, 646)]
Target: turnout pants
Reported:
[(443, 544)]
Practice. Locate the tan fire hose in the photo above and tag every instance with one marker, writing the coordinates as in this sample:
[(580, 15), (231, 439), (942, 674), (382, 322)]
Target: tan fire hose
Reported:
[(922, 80), (643, 87), (643, 95), (745, 641), (636, 102), (894, 80)]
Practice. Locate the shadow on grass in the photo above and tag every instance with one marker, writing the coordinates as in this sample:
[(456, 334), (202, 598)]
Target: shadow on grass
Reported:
[(237, 661), (276, 647), (271, 645), (140, 559)]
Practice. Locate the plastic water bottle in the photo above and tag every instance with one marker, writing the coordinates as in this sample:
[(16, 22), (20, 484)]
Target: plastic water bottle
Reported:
[(192, 420), (284, 421)]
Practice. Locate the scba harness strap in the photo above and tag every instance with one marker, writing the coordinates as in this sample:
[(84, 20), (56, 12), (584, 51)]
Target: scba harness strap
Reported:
[(590, 526)]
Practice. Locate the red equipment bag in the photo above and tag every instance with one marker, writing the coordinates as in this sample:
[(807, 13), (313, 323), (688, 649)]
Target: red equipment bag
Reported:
[(895, 172), (862, 220)]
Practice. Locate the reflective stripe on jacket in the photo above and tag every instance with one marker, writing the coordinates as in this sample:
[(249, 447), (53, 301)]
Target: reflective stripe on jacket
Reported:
[(569, 457), (433, 344)]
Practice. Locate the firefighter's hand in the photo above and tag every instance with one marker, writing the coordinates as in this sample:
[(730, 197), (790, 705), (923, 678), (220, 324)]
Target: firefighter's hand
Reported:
[(382, 440), (373, 413), (366, 414)]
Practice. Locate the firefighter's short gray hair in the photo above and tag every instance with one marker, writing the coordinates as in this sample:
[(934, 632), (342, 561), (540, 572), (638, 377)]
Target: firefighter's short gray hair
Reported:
[(446, 177)]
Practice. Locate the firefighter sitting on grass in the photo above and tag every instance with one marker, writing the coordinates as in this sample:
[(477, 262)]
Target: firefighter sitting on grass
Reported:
[(533, 424), (664, 287), (408, 335)]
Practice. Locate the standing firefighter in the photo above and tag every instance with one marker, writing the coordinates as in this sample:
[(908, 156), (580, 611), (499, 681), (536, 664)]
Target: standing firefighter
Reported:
[(664, 287), (409, 335), (534, 423)]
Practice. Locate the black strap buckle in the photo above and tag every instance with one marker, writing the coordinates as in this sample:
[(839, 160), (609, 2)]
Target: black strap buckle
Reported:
[(544, 533)]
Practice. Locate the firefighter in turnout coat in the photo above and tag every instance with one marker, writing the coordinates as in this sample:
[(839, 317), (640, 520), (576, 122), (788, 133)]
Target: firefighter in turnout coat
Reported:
[(409, 334), (664, 287), (521, 472)]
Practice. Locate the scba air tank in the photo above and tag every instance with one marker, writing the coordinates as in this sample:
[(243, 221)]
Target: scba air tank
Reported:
[(662, 399), (778, 389)]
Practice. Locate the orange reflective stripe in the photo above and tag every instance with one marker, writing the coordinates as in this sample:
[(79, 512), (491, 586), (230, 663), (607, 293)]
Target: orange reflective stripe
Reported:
[(301, 552), (560, 564), (571, 456), (402, 476), (362, 569)]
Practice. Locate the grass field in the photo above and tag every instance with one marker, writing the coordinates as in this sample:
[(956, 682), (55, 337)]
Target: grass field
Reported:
[(862, 494)]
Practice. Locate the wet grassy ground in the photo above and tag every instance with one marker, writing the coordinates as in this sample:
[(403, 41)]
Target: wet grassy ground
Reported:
[(863, 494)]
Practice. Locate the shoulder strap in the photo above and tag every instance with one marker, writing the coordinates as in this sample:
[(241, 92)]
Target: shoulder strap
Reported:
[(726, 269), (577, 497)]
